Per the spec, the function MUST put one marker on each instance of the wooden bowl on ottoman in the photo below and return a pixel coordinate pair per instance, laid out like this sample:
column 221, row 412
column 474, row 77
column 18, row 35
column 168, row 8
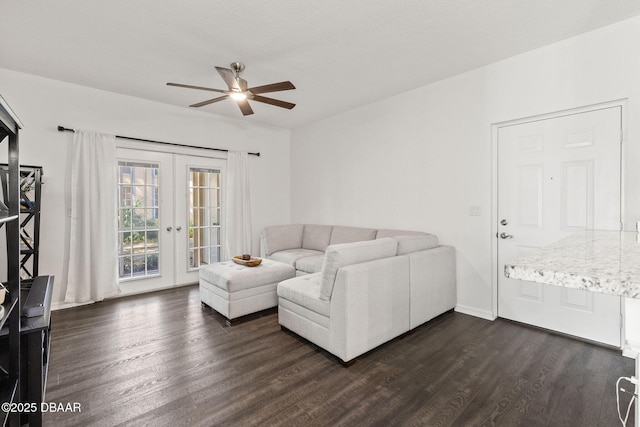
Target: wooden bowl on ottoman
column 251, row 262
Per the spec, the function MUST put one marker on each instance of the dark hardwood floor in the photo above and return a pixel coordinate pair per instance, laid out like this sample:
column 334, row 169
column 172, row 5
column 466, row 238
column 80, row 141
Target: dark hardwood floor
column 160, row 359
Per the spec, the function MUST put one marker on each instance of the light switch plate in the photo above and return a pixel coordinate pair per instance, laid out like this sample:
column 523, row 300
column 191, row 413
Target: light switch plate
column 474, row 210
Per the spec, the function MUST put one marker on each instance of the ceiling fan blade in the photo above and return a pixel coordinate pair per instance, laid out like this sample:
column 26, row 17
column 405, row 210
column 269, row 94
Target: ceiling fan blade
column 229, row 77
column 245, row 107
column 209, row 101
column 242, row 83
column 273, row 87
column 196, row 87
column 272, row 101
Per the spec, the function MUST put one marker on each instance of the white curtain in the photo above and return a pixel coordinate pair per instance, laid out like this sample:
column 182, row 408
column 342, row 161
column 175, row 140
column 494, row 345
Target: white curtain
column 93, row 251
column 237, row 205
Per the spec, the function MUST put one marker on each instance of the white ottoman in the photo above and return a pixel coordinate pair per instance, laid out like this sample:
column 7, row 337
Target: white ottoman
column 235, row 290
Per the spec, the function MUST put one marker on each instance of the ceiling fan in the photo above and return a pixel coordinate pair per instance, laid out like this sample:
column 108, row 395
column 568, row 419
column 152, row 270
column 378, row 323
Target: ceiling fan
column 239, row 92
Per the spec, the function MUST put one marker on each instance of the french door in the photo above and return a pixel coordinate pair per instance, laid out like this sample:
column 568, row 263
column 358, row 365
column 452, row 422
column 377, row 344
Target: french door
column 169, row 218
column 198, row 215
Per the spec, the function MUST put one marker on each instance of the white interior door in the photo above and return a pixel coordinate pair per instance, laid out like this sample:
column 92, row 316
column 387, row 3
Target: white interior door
column 558, row 176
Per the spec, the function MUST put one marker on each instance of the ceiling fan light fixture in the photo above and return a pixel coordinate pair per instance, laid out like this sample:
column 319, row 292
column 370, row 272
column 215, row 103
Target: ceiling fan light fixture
column 238, row 96
column 238, row 90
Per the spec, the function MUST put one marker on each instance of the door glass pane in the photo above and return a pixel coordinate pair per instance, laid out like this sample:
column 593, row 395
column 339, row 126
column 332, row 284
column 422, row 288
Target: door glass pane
column 152, row 264
column 215, row 216
column 152, row 241
column 152, row 218
column 204, row 202
column 138, row 220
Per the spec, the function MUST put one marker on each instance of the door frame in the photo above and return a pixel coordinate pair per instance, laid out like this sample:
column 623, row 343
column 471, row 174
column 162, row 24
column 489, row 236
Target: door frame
column 495, row 268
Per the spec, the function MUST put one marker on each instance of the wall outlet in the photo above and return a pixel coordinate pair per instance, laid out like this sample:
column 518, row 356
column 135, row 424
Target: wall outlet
column 474, row 210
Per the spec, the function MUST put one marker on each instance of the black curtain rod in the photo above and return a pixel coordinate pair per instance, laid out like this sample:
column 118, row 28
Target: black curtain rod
column 64, row 129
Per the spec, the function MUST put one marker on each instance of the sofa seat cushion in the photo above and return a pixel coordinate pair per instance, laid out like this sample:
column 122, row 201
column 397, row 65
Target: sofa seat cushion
column 338, row 256
column 305, row 291
column 310, row 264
column 232, row 277
column 342, row 234
column 291, row 256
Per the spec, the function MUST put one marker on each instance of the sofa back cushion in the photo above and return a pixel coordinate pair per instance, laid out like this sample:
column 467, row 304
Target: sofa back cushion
column 414, row 243
column 342, row 234
column 316, row 237
column 280, row 237
column 382, row 233
column 337, row 256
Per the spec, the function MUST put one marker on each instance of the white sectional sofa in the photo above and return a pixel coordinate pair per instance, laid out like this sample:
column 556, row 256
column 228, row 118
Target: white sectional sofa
column 303, row 245
column 349, row 298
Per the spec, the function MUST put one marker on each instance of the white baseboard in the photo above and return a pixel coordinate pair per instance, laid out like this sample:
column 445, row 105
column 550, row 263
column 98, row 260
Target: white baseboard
column 129, row 291
column 473, row 311
column 63, row 305
column 630, row 350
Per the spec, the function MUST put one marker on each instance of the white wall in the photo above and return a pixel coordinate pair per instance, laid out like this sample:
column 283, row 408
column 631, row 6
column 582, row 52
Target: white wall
column 43, row 104
column 420, row 159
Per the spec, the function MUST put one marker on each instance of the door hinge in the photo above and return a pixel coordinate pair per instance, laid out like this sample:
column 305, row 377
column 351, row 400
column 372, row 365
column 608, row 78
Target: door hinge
column 621, row 321
column 621, row 135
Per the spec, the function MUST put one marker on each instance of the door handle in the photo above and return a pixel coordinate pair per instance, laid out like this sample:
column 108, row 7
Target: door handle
column 504, row 235
column 169, row 228
column 178, row 228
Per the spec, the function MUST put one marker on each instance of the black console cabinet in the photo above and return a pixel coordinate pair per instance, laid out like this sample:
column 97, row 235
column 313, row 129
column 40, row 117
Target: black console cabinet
column 35, row 338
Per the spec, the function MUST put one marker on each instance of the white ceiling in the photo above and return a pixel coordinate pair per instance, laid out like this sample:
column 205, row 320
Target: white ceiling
column 340, row 54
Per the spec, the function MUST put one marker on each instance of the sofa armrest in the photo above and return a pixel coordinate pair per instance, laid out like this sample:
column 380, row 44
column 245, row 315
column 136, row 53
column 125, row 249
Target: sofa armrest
column 369, row 306
column 432, row 283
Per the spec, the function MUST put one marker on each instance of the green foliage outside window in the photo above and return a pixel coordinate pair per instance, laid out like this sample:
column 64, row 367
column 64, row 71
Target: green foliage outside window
column 132, row 219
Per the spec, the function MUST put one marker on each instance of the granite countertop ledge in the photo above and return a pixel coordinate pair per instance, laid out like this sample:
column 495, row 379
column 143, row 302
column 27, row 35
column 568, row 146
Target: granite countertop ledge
column 597, row 261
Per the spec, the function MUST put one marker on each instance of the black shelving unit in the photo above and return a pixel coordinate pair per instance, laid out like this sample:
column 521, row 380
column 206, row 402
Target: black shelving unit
column 30, row 195
column 9, row 219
